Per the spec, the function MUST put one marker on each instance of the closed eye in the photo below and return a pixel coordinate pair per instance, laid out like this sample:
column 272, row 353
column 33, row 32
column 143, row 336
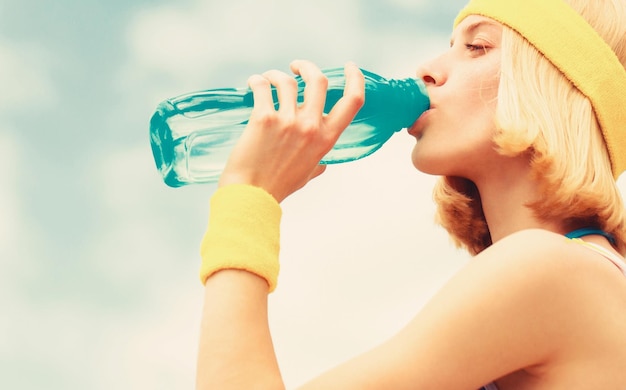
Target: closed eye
column 473, row 48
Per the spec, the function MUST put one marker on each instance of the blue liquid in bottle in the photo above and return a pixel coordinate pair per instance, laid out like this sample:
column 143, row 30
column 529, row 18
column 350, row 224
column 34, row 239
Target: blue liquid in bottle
column 192, row 135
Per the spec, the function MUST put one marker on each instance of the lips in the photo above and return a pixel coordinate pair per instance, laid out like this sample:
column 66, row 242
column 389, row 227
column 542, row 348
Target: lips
column 418, row 126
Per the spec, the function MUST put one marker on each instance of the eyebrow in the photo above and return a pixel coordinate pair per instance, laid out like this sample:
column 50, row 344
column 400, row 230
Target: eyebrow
column 474, row 26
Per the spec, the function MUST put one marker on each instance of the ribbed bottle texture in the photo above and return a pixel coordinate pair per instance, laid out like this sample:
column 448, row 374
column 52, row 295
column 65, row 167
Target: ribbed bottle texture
column 192, row 135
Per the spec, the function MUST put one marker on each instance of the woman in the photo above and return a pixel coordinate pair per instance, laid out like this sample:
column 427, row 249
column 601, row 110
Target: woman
column 528, row 131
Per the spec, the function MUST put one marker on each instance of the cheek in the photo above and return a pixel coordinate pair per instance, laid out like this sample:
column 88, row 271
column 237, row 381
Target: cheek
column 472, row 92
column 482, row 83
column 484, row 93
column 480, row 104
column 473, row 113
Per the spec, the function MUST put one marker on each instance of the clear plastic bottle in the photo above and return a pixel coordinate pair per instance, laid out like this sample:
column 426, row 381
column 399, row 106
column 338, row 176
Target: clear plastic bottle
column 192, row 135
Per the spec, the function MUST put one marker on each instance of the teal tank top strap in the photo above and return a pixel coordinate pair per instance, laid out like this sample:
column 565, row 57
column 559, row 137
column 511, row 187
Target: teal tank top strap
column 587, row 231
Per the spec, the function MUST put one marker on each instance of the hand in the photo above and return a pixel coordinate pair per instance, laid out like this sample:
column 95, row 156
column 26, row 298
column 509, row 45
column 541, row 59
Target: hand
column 280, row 150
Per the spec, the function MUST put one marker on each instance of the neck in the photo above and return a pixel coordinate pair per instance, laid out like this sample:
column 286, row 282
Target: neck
column 504, row 195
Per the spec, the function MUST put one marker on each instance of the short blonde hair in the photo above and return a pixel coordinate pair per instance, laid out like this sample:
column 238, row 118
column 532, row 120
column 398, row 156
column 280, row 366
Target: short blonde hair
column 541, row 113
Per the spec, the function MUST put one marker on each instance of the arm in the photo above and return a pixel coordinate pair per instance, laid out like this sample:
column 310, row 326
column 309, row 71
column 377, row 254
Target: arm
column 508, row 309
column 236, row 350
column 278, row 153
column 239, row 267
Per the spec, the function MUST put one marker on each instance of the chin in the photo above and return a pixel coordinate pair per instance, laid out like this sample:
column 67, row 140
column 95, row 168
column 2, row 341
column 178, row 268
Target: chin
column 433, row 163
column 422, row 162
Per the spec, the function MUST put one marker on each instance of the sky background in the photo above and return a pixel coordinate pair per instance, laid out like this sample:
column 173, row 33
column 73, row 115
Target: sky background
column 99, row 258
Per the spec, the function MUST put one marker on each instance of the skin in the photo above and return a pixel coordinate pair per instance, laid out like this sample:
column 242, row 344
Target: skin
column 463, row 87
column 534, row 310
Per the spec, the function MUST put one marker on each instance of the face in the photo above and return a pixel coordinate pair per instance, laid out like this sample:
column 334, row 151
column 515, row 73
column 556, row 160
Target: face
column 454, row 137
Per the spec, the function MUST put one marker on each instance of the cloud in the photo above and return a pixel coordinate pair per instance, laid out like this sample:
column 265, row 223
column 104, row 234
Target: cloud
column 20, row 263
column 25, row 79
column 153, row 347
column 146, row 235
column 409, row 4
column 19, row 230
column 173, row 49
column 133, row 323
column 10, row 222
column 148, row 254
column 202, row 41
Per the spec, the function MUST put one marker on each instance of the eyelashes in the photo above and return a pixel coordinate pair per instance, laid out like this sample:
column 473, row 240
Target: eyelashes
column 476, row 48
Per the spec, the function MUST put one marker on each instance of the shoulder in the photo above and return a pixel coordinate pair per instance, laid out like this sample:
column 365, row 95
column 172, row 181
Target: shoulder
column 515, row 294
column 528, row 244
column 510, row 308
column 543, row 261
column 524, row 256
column 554, row 284
column 541, row 280
column 544, row 255
column 513, row 301
column 569, row 299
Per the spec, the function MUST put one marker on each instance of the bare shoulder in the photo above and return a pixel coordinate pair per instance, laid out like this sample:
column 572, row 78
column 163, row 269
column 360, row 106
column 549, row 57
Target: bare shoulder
column 545, row 288
column 574, row 295
column 549, row 256
column 561, row 299
column 554, row 266
column 533, row 301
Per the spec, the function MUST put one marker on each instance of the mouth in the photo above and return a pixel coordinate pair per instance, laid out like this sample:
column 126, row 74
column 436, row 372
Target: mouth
column 417, row 127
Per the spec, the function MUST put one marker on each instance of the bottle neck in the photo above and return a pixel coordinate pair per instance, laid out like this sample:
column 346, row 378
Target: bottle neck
column 411, row 98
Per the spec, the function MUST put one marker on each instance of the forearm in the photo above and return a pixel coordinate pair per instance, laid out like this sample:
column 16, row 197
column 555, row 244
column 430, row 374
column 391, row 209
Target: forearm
column 239, row 268
column 277, row 154
column 236, row 350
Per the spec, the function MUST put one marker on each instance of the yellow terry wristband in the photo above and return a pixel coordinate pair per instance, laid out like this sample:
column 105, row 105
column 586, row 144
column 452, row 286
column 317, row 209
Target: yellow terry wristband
column 243, row 233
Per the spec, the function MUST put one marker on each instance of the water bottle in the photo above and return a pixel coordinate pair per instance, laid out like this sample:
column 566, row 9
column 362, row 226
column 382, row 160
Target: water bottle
column 192, row 135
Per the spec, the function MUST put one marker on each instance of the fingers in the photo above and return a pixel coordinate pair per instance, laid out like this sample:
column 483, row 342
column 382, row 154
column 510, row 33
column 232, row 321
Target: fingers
column 280, row 149
column 262, row 93
column 287, row 90
column 353, row 99
column 316, row 86
column 315, row 92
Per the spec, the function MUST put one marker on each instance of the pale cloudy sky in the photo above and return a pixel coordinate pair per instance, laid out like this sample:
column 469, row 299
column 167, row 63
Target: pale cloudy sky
column 99, row 259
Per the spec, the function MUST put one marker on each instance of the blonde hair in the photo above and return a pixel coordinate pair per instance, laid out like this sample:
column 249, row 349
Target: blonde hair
column 540, row 112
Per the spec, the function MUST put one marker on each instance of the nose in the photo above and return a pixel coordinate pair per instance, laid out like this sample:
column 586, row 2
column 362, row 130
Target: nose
column 432, row 73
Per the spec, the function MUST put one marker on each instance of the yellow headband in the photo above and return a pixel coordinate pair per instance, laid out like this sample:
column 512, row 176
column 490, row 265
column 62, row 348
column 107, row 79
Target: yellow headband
column 578, row 51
